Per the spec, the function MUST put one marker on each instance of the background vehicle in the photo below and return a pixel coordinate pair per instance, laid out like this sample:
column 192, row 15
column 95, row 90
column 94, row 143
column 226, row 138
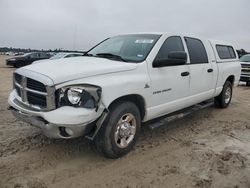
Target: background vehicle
column 10, row 53
column 26, row 59
column 66, row 55
column 19, row 53
column 61, row 55
column 121, row 83
column 245, row 70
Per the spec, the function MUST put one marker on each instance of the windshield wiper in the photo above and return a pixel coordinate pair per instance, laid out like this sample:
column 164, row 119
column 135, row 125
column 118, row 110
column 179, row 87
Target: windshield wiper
column 109, row 55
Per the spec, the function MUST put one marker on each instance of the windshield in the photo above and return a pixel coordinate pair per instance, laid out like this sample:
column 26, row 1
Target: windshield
column 131, row 48
column 58, row 56
column 245, row 58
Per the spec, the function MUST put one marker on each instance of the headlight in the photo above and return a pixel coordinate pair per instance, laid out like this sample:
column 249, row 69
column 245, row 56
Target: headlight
column 86, row 96
column 74, row 95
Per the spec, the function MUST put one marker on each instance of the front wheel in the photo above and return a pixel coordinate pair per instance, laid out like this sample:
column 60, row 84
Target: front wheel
column 119, row 131
column 224, row 99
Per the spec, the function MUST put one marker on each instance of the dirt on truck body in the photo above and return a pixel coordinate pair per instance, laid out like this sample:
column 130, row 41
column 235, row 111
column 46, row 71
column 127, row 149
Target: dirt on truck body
column 210, row 148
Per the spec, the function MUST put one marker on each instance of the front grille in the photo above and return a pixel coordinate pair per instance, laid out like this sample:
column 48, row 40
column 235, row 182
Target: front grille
column 18, row 78
column 34, row 93
column 35, row 85
column 245, row 70
column 245, row 65
column 18, row 90
column 36, row 99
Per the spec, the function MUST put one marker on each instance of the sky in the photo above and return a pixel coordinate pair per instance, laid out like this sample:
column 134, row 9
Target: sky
column 80, row 24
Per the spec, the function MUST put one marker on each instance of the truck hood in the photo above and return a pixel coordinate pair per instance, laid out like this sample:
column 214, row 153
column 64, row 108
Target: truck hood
column 63, row 70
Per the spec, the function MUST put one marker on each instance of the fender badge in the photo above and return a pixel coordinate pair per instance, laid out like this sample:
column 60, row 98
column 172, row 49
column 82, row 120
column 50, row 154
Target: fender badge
column 146, row 86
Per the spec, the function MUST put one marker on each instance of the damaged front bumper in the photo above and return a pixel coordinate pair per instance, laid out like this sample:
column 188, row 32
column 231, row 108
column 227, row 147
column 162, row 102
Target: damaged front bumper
column 65, row 122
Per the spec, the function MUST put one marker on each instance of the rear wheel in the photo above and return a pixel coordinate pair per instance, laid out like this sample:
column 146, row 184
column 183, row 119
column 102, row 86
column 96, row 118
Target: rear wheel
column 119, row 131
column 224, row 99
column 16, row 66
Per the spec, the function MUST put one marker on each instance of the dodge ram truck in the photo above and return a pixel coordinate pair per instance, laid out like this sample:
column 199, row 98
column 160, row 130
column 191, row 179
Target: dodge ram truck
column 122, row 83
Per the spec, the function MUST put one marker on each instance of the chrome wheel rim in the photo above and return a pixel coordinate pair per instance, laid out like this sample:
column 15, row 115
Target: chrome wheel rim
column 125, row 130
column 228, row 94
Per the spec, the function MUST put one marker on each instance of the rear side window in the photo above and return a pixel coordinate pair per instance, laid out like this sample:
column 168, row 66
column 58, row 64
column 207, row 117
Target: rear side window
column 225, row 52
column 34, row 55
column 171, row 44
column 43, row 55
column 196, row 50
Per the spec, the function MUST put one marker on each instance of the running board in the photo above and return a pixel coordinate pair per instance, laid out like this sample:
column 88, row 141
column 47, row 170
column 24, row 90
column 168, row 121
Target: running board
column 180, row 114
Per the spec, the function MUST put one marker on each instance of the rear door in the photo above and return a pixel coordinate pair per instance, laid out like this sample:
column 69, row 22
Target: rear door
column 203, row 70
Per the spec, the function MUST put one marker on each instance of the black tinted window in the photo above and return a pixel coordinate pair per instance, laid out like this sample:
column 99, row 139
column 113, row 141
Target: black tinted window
column 225, row 52
column 197, row 51
column 171, row 44
column 34, row 55
column 231, row 51
column 43, row 55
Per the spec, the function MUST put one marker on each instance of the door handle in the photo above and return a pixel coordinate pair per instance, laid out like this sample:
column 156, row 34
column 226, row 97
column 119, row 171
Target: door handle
column 210, row 70
column 185, row 73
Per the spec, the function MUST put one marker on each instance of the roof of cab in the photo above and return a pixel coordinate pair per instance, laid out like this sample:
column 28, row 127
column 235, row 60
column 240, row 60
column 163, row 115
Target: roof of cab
column 165, row 33
column 213, row 42
column 217, row 42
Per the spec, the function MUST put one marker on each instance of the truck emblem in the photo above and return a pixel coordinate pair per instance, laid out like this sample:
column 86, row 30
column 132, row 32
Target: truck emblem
column 146, row 86
column 162, row 91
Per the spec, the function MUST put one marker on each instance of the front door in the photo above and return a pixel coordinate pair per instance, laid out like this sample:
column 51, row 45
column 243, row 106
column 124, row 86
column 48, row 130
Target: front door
column 169, row 84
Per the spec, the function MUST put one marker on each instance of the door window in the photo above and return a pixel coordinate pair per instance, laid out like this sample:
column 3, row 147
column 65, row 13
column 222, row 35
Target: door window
column 171, row 44
column 34, row 55
column 196, row 50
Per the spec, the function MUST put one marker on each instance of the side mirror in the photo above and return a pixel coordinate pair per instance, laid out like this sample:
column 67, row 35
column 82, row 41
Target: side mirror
column 174, row 59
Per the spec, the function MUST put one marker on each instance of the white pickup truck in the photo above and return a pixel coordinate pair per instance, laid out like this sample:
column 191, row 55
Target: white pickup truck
column 122, row 82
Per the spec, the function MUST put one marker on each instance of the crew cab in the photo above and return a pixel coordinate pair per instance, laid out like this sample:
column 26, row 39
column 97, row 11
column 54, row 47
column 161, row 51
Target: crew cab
column 26, row 59
column 245, row 71
column 122, row 83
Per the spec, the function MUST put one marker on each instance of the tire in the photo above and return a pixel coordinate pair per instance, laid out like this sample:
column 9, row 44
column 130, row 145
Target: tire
column 224, row 99
column 18, row 65
column 15, row 66
column 247, row 83
column 116, row 140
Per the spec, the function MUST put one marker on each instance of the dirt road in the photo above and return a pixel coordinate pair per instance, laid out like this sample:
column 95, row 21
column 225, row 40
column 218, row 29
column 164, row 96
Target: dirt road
column 210, row 148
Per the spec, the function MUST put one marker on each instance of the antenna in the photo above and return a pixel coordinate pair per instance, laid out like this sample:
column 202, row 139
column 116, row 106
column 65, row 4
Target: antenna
column 74, row 38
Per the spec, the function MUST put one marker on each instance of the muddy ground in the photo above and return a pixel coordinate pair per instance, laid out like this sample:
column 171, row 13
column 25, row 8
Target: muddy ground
column 210, row 148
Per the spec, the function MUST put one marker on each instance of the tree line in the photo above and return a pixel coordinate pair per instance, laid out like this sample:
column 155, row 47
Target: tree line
column 240, row 52
column 27, row 50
